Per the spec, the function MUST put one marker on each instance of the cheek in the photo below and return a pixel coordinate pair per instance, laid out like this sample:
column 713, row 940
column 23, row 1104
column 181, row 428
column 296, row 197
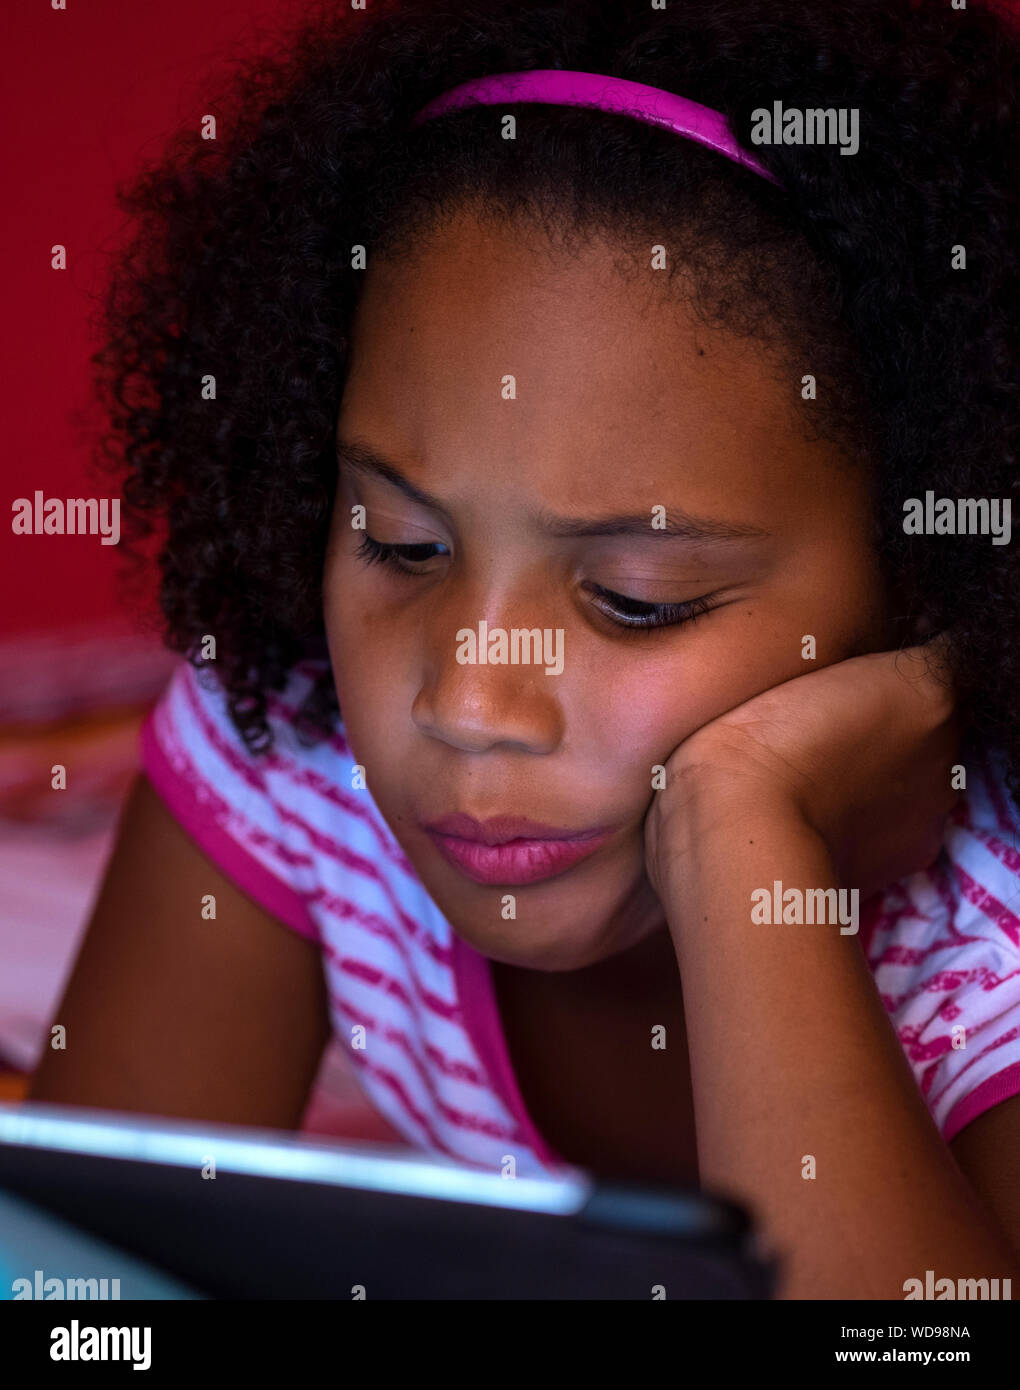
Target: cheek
column 650, row 706
column 365, row 656
column 647, row 707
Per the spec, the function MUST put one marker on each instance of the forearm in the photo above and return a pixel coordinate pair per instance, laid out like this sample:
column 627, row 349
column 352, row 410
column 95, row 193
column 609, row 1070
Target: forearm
column 793, row 1059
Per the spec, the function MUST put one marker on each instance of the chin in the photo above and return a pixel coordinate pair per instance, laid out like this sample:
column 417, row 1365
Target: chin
column 534, row 948
column 548, row 945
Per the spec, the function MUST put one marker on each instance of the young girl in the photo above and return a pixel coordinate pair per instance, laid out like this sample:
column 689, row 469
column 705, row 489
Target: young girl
column 587, row 512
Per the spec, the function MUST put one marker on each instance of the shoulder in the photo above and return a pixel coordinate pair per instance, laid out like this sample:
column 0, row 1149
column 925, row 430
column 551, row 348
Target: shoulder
column 945, row 953
column 319, row 788
column 192, row 729
column 286, row 824
column 971, row 893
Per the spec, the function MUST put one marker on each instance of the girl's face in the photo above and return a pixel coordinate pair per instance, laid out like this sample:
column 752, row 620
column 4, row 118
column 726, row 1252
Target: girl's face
column 554, row 444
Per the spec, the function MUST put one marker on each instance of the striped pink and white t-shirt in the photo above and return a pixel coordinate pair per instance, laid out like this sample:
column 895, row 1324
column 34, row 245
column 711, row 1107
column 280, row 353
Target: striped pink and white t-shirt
column 291, row 831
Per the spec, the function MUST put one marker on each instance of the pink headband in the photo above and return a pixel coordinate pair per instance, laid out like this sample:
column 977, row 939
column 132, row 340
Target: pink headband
column 564, row 88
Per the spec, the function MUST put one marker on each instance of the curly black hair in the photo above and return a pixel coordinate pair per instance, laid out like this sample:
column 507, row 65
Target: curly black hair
column 244, row 268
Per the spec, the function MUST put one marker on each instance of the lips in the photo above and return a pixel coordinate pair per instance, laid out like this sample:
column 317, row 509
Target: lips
column 511, row 850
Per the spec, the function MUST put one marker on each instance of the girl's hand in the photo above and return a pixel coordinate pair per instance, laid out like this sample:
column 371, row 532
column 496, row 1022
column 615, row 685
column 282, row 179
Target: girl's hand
column 860, row 753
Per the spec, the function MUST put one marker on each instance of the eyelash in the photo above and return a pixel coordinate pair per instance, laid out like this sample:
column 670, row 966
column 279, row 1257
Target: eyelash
column 656, row 615
column 376, row 552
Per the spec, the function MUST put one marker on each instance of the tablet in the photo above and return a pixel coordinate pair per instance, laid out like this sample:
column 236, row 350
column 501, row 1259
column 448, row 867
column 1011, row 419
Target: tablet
column 236, row 1212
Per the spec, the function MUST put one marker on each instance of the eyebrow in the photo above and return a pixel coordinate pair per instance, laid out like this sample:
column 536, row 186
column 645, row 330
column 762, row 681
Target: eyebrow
column 677, row 524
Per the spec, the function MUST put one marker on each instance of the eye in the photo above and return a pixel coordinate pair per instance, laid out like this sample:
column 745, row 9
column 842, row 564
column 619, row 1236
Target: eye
column 399, row 557
column 634, row 613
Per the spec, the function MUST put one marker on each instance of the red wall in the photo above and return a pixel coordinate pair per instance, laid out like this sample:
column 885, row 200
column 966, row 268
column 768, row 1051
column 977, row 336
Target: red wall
column 88, row 95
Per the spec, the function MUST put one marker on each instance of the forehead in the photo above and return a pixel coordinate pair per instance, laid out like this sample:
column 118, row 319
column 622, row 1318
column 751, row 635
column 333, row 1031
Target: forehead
column 569, row 376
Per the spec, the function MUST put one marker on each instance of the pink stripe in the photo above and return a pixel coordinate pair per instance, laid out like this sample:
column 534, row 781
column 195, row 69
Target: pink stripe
column 289, row 715
column 375, row 978
column 389, row 984
column 996, row 1089
column 989, row 904
column 325, row 844
column 213, row 736
column 221, row 811
column 1010, row 1035
column 925, row 1080
column 346, row 910
column 475, row 1124
column 349, row 859
column 951, row 943
column 931, row 1050
column 894, row 956
column 454, row 1069
column 478, row 1124
column 911, row 955
column 395, row 1036
column 198, row 819
column 1007, row 856
column 396, row 1087
column 403, row 1043
column 460, row 1119
column 346, row 801
column 943, row 981
column 482, row 1022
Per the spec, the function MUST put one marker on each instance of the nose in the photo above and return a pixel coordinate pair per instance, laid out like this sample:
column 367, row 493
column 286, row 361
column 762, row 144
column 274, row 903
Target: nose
column 478, row 706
